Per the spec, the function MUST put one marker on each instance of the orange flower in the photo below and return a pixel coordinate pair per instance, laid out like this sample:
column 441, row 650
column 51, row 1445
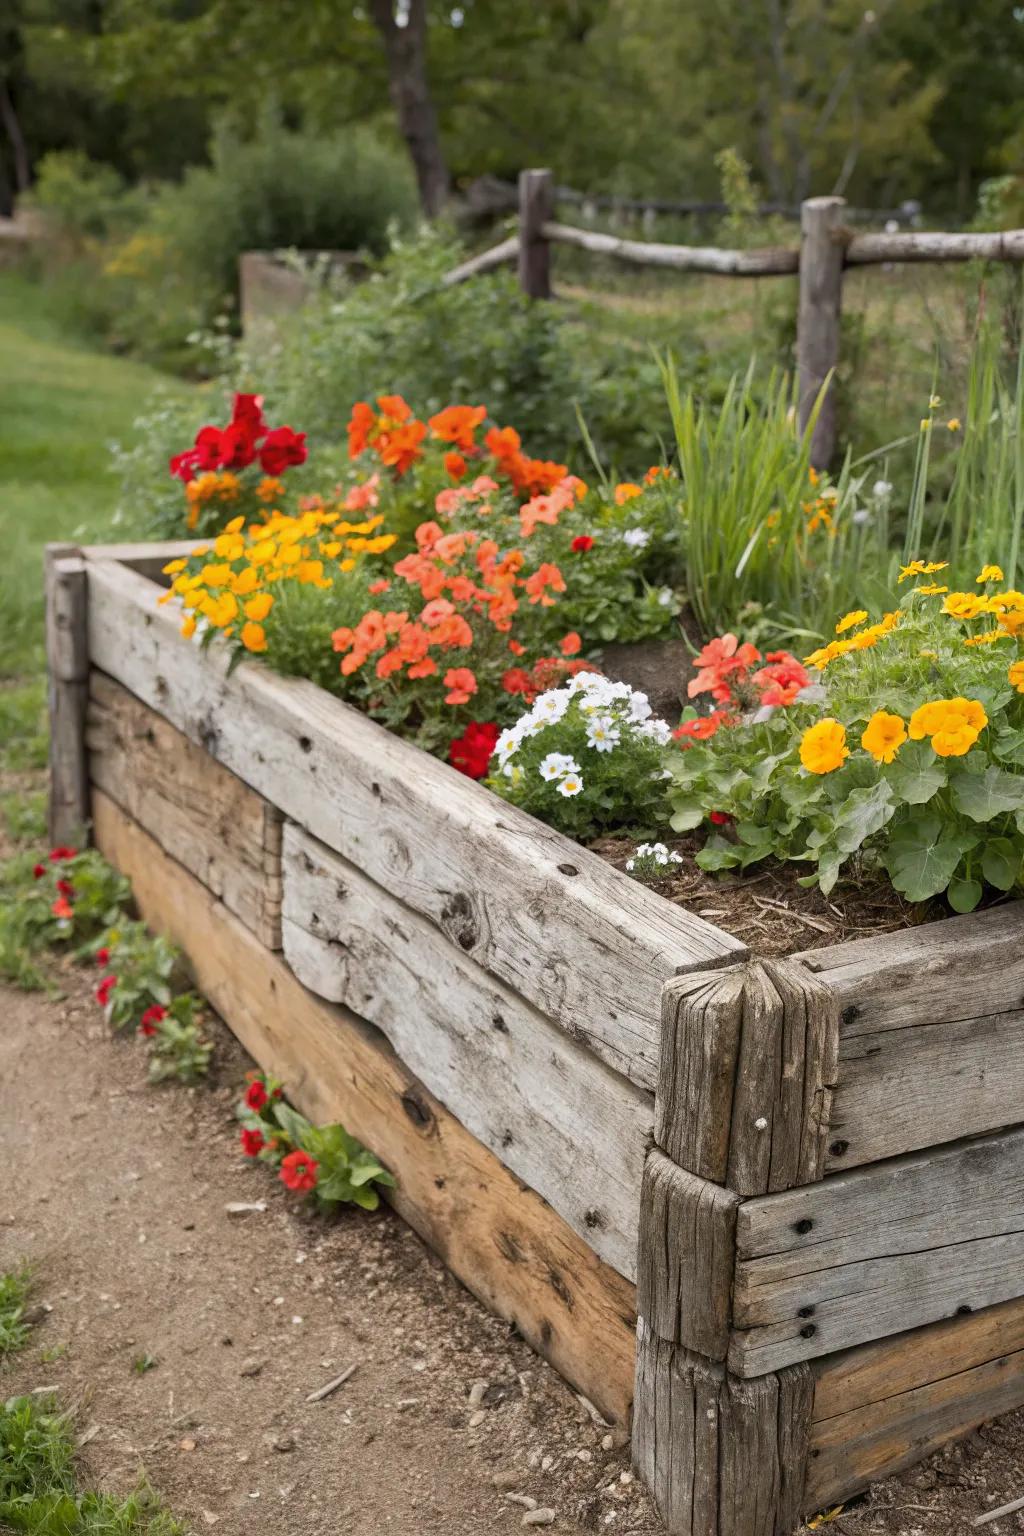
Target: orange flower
column 457, row 424
column 571, row 644
column 399, row 449
column 626, row 491
column 425, row 668
column 360, row 425
column 393, row 409
column 461, row 683
column 545, row 576
column 455, row 466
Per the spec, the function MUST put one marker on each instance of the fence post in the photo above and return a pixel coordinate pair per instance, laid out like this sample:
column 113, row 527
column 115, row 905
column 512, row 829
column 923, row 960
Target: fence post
column 536, row 206
column 817, row 328
column 67, row 663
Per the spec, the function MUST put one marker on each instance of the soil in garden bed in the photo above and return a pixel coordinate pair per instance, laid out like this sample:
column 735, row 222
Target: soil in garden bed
column 767, row 907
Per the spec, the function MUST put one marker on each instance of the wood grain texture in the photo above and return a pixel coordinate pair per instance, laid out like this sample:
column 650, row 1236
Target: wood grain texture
column 573, row 1129
column 885, row 1405
column 67, row 667
column 536, row 205
column 224, row 833
column 687, row 1257
column 722, row 1457
column 501, row 1239
column 881, row 1249
column 587, row 945
column 146, row 559
column 818, row 317
column 748, row 1063
column 768, row 262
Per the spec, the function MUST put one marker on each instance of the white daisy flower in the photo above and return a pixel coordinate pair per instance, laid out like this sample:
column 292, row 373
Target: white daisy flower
column 666, row 598
column 603, row 734
column 636, row 538
column 570, row 785
column 556, row 765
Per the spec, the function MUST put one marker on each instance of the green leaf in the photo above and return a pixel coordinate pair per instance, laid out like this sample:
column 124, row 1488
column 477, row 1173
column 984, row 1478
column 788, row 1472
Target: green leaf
column 917, row 774
column 718, row 854
column 688, row 813
column 923, row 855
column 1001, row 863
column 984, row 795
column 864, row 812
column 963, row 895
column 367, row 1197
column 295, row 1126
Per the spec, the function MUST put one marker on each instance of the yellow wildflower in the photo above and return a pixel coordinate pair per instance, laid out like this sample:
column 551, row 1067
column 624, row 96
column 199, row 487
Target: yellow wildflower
column 174, row 566
column 245, row 582
column 932, row 590
column 188, row 625
column 851, row 620
column 1016, row 676
column 953, row 424
column 259, row 606
column 984, row 639
column 253, row 637
column 823, row 747
column 964, row 605
column 883, row 736
column 989, row 573
column 1013, row 623
column 934, row 402
column 953, row 725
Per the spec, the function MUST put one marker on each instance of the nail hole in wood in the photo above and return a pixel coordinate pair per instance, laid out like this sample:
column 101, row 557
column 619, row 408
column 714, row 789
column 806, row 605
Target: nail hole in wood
column 803, row 1225
column 418, row 1112
column 568, row 869
column 964, row 1310
column 849, row 1014
column 808, row 1331
column 839, row 1147
column 305, row 745
column 805, row 1312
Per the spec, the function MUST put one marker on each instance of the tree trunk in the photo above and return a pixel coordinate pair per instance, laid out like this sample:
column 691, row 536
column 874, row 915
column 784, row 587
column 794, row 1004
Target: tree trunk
column 16, row 139
column 406, row 50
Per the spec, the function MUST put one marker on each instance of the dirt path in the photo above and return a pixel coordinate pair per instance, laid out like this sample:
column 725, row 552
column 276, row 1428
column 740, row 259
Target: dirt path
column 117, row 1195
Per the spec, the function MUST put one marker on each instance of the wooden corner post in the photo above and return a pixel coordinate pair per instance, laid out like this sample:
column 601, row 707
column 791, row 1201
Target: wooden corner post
column 822, row 252
column 536, row 208
column 748, row 1064
column 67, row 663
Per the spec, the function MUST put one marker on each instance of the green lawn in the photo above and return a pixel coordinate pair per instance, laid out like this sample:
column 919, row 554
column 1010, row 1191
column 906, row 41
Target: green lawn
column 61, row 405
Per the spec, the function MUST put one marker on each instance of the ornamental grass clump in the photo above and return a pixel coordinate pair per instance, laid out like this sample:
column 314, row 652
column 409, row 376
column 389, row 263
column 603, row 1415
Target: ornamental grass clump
column 586, row 758
column 910, row 756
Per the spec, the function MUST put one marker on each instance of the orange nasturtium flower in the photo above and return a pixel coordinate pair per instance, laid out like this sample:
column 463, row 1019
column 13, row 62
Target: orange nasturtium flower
column 823, row 747
column 883, row 736
column 1016, row 676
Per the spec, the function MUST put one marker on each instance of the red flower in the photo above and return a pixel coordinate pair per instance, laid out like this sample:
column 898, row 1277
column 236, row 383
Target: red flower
column 151, row 1018
column 253, row 1143
column 701, row 729
column 455, row 465
column 256, row 1095
column 207, row 453
column 471, row 752
column 581, row 543
column 461, row 682
column 237, row 446
column 248, row 409
column 104, row 990
column 298, row 1171
column 183, row 465
column 65, row 888
column 62, row 908
column 720, row 818
column 782, row 680
column 721, row 659
column 281, row 449
column 571, row 644
column 102, row 956
column 39, row 870
column 61, row 853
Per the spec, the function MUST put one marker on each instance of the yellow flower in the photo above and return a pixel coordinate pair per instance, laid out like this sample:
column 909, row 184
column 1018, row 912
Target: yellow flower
column 188, row 625
column 954, row 725
column 827, row 653
column 883, row 736
column 934, row 402
column 253, row 637
column 984, row 639
column 964, row 605
column 922, row 568
column 954, row 740
column 1013, row 623
column 259, row 606
column 221, row 610
column 174, row 566
column 989, row 573
column 851, row 620
column 217, row 575
column 953, row 424
column 245, row 582
column 1016, row 676
column 823, row 747
column 932, row 590
column 926, row 423
column 1007, row 602
column 235, row 526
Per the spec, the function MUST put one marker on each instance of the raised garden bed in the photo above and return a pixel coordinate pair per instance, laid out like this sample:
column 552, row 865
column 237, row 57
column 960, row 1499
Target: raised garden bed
column 826, row 1238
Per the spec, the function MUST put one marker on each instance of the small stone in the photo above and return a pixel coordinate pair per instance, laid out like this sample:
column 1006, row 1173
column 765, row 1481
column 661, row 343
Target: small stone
column 522, row 1499
column 547, row 1462
column 251, row 1367
column 539, row 1517
column 607, row 1442
column 507, row 1477
column 583, row 1455
column 285, row 1442
column 476, row 1393
column 187, row 1445
column 476, row 1419
column 625, row 1477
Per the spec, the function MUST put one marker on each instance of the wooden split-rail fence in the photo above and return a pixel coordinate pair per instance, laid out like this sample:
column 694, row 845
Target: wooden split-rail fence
column 827, row 248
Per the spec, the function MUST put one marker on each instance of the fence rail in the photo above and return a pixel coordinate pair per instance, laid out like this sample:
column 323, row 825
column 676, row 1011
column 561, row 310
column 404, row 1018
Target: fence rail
column 827, row 247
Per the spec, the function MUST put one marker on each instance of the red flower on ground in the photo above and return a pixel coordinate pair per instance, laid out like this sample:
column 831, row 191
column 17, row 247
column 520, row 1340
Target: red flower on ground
column 151, row 1018
column 281, row 449
column 57, row 855
column 104, row 990
column 471, row 752
column 299, row 1171
column 102, row 956
column 62, row 908
column 720, row 818
column 39, row 870
column 581, row 543
column 65, row 888
column 253, row 1143
column 256, row 1095
column 248, row 409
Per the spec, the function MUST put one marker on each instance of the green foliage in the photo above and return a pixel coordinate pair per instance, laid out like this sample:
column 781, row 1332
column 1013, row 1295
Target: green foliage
column 143, row 965
column 24, row 816
column 920, row 771
column 586, row 758
column 344, row 1171
column 14, row 1289
column 83, row 200
column 37, row 912
column 143, row 1364
column 39, row 1492
column 178, row 1049
column 23, row 727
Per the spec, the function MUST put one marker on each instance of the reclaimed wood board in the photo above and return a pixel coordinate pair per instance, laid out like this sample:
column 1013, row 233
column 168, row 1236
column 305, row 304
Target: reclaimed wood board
column 499, row 1237
column 573, row 1129
column 199, row 812
column 883, row 1406
column 67, row 669
column 881, row 1249
column 581, row 941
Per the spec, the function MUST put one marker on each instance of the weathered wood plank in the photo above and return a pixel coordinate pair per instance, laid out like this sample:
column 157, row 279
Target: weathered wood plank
column 199, row 812
column 501, row 1239
column 883, row 1406
column 573, row 1129
column 878, row 1250
column 536, row 205
column 818, row 319
column 687, row 1256
column 748, row 1063
column 902, row 1089
column 581, row 941
column 67, row 665
column 960, row 968
column 147, row 559
column 722, row 1457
